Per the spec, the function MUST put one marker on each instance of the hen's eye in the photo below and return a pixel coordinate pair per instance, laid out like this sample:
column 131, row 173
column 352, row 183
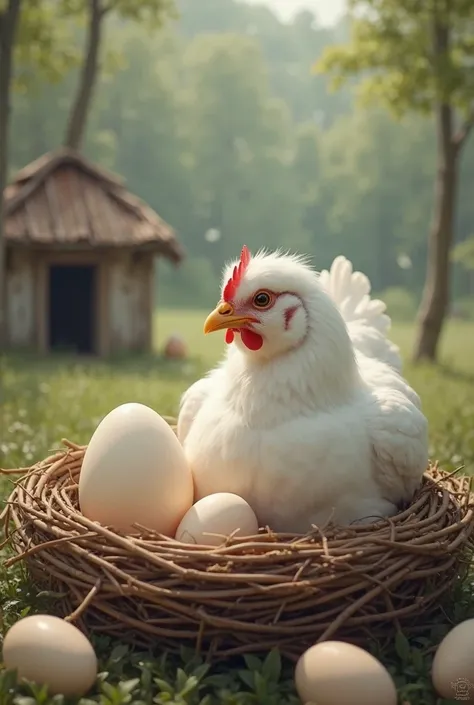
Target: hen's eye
column 262, row 299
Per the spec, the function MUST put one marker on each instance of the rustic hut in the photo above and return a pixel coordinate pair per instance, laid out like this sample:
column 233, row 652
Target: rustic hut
column 79, row 259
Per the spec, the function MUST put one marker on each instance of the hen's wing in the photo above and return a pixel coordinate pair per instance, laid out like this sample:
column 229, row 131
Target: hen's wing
column 399, row 443
column 190, row 403
column 365, row 318
column 398, row 430
column 192, row 400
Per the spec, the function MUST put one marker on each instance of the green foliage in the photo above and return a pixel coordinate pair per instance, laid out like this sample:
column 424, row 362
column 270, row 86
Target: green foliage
column 48, row 31
column 44, row 45
column 401, row 304
column 392, row 44
column 132, row 677
column 194, row 284
column 463, row 254
column 463, row 308
column 241, row 156
column 149, row 12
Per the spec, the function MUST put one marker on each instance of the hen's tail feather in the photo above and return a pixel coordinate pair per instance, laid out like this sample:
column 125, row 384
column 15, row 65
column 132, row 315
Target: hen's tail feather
column 351, row 292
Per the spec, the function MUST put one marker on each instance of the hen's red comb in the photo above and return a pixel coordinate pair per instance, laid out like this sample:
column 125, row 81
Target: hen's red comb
column 237, row 274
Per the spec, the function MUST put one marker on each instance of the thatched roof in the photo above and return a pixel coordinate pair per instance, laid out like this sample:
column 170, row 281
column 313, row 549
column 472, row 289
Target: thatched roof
column 63, row 200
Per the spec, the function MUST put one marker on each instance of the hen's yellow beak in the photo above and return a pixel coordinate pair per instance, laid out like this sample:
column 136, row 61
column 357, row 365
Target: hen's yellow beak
column 223, row 316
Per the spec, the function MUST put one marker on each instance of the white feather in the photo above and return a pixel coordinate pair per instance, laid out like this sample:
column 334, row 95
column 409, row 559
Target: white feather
column 324, row 428
column 366, row 320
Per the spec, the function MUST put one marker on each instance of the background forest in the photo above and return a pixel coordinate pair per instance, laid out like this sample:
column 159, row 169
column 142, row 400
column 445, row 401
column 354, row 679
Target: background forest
column 307, row 170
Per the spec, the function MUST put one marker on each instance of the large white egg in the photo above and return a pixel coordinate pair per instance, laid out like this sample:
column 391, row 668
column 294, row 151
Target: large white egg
column 453, row 665
column 134, row 471
column 337, row 673
column 215, row 517
column 49, row 651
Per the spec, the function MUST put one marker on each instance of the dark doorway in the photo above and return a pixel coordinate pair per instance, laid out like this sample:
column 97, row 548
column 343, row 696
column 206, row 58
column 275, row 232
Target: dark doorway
column 71, row 308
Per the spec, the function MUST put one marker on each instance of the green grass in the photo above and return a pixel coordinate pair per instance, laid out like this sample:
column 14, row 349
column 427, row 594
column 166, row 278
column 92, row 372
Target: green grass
column 44, row 400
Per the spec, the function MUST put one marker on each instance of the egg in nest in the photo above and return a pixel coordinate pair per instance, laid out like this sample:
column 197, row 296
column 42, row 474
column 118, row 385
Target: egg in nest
column 134, row 472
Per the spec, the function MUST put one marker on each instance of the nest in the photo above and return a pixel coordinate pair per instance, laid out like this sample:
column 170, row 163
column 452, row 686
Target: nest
column 272, row 589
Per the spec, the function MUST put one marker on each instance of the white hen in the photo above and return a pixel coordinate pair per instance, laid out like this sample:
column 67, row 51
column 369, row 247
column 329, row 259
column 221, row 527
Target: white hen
column 308, row 417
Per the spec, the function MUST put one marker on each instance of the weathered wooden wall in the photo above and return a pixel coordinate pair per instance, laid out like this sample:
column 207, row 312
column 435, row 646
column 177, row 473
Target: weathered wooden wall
column 20, row 292
column 124, row 299
column 129, row 282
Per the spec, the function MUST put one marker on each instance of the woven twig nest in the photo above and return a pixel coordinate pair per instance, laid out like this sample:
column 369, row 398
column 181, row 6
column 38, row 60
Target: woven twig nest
column 246, row 596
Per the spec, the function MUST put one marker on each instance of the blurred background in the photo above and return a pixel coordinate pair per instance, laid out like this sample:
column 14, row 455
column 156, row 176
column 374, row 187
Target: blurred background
column 217, row 121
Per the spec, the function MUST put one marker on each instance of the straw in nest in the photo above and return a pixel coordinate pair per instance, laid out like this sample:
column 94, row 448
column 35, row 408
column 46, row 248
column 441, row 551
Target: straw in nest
column 290, row 591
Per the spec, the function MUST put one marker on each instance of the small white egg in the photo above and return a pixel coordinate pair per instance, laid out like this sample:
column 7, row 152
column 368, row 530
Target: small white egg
column 220, row 514
column 49, row 651
column 134, row 471
column 337, row 673
column 453, row 665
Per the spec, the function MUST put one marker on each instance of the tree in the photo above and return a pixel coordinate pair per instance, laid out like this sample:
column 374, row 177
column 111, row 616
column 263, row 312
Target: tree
column 240, row 138
column 417, row 55
column 138, row 110
column 463, row 254
column 150, row 11
column 374, row 192
column 32, row 43
column 9, row 19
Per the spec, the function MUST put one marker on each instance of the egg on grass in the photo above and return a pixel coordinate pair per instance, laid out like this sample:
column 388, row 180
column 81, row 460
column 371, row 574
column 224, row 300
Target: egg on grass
column 175, row 348
column 214, row 518
column 453, row 665
column 338, row 673
column 46, row 650
column 134, row 472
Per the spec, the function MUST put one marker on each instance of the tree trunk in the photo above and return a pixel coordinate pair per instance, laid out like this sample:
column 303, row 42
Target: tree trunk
column 87, row 80
column 8, row 26
column 435, row 298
